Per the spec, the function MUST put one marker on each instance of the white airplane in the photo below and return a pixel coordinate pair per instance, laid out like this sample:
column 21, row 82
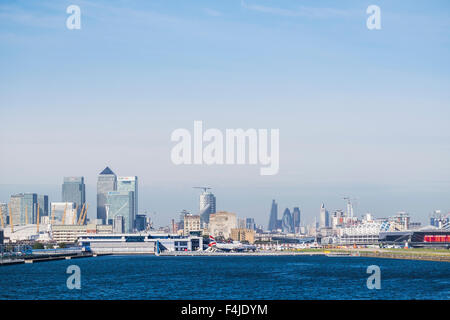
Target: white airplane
column 232, row 246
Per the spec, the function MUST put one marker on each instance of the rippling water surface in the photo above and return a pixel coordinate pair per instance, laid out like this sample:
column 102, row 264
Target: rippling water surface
column 270, row 277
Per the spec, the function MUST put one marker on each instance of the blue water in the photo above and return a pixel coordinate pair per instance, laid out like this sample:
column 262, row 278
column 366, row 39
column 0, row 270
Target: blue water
column 270, row 277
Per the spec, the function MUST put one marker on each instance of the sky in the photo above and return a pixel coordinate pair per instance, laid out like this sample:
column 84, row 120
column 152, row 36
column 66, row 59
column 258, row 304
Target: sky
column 361, row 113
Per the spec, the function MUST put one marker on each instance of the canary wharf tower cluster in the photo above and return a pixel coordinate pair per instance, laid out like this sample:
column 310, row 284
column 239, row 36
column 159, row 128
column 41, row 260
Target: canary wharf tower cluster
column 117, row 200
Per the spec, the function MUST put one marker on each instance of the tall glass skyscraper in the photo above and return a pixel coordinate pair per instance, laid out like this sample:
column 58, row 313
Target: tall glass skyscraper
column 296, row 219
column 74, row 190
column 273, row 219
column 23, row 208
column 287, row 222
column 107, row 182
column 129, row 184
column 324, row 217
column 207, row 206
column 121, row 203
column 43, row 205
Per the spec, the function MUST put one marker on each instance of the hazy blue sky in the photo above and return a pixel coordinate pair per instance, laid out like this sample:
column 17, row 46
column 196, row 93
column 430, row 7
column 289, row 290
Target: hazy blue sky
column 360, row 112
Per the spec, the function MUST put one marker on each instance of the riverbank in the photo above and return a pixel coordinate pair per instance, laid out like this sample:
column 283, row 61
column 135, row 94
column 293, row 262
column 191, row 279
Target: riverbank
column 406, row 254
column 46, row 258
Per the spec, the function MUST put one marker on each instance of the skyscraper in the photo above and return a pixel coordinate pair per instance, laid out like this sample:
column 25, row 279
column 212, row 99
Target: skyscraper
column 250, row 224
column 207, row 206
column 74, row 190
column 107, row 182
column 129, row 184
column 287, row 223
column 296, row 219
column 324, row 217
column 120, row 203
column 273, row 219
column 43, row 205
column 23, row 208
column 4, row 213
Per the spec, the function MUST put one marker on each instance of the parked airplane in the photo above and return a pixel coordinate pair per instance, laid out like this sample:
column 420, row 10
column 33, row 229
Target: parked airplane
column 232, row 246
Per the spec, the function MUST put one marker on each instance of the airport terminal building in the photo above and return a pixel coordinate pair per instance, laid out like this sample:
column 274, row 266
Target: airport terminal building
column 130, row 243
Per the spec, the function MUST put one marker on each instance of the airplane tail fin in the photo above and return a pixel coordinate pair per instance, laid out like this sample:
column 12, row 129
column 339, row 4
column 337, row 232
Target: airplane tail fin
column 212, row 241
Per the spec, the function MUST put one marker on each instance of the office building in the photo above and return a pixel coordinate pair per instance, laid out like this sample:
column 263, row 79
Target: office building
column 207, row 206
column 287, row 222
column 324, row 217
column 118, row 224
column 191, row 224
column 129, row 184
column 43, row 205
column 296, row 219
column 71, row 233
column 250, row 224
column 140, row 222
column 273, row 219
column 243, row 235
column 74, row 190
column 121, row 203
column 107, row 182
column 4, row 213
column 221, row 223
column 23, row 208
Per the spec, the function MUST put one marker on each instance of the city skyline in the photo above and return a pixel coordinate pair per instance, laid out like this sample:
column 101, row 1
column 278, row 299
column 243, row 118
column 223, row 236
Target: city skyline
column 362, row 113
column 261, row 219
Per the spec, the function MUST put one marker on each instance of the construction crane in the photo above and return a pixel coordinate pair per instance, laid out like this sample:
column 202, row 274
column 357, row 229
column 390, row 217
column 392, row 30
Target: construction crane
column 53, row 215
column 204, row 188
column 85, row 214
column 1, row 218
column 64, row 214
column 38, row 218
column 81, row 213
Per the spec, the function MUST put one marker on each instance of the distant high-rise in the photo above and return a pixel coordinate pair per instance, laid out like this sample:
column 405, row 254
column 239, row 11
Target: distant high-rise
column 4, row 213
column 129, row 184
column 207, row 206
column 273, row 219
column 43, row 205
column 120, row 203
column 74, row 190
column 250, row 224
column 107, row 182
column 140, row 222
column 324, row 217
column 118, row 224
column 296, row 219
column 287, row 223
column 23, row 208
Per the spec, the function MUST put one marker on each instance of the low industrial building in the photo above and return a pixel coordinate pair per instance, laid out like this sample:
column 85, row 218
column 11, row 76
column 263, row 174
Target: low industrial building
column 70, row 233
column 150, row 243
column 432, row 238
column 243, row 235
